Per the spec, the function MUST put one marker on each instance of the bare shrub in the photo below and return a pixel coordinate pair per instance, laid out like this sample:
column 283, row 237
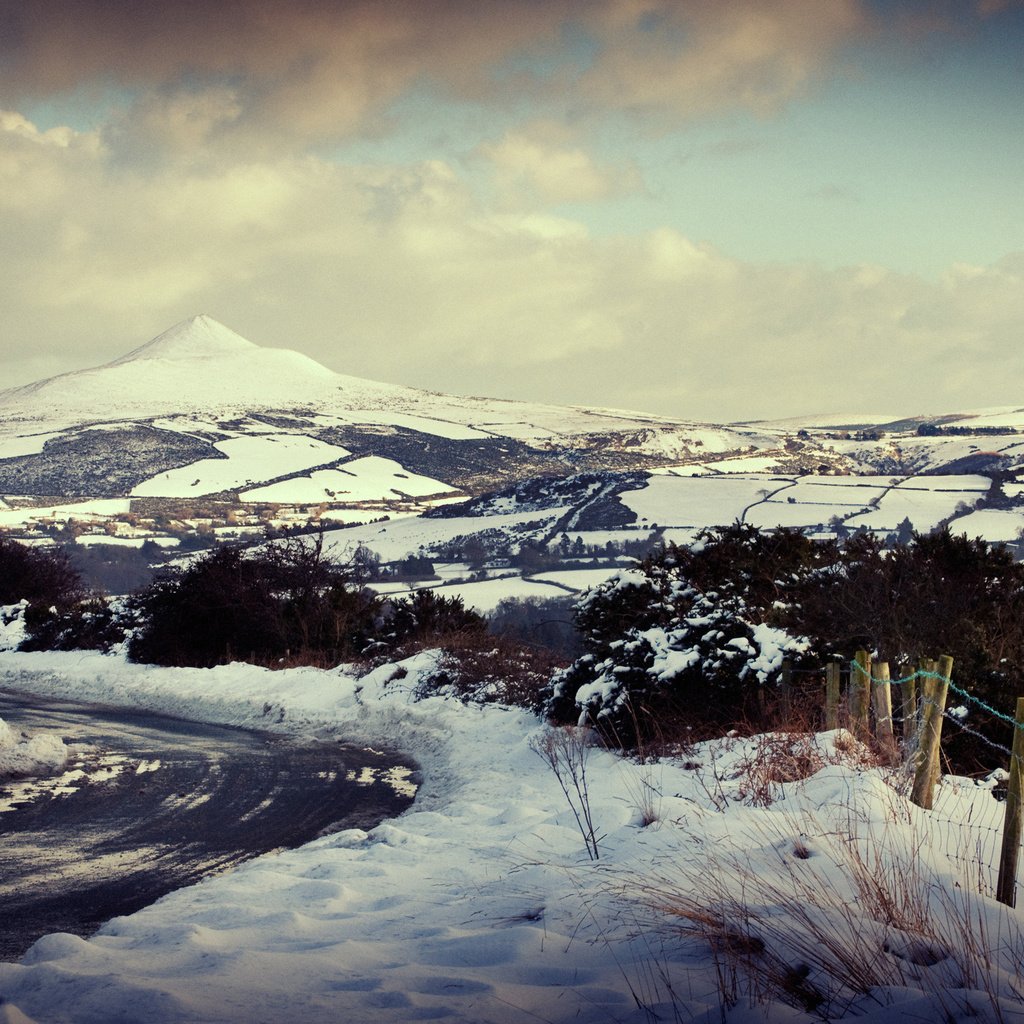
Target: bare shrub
column 777, row 758
column 565, row 749
column 478, row 668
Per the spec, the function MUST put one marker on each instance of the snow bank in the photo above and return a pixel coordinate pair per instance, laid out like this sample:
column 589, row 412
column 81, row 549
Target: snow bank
column 22, row 755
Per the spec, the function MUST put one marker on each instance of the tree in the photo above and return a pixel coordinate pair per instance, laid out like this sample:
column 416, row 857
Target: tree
column 62, row 613
column 939, row 593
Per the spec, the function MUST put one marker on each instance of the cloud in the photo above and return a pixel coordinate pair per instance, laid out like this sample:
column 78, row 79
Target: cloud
column 301, row 69
column 194, row 72
column 540, row 163
column 673, row 61
column 401, row 273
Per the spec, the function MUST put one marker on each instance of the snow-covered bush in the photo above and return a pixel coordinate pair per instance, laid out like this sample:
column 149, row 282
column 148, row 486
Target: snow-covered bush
column 12, row 625
column 691, row 634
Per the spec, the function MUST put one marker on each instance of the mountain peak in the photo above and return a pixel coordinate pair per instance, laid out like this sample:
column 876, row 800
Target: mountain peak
column 199, row 337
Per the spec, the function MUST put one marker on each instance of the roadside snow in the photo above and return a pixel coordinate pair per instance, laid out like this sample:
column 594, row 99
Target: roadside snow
column 480, row 905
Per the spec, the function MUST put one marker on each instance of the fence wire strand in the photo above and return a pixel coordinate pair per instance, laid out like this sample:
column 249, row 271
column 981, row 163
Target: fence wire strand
column 947, row 714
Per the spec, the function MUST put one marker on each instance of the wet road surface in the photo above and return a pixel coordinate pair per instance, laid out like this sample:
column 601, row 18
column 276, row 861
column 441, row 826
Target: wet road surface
column 147, row 804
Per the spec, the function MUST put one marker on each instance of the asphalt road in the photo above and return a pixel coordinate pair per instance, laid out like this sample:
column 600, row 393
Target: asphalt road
column 148, row 804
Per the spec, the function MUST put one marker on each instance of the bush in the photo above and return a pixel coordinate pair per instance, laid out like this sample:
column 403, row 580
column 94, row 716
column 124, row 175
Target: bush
column 480, row 669
column 284, row 602
column 700, row 633
column 41, row 576
column 426, row 617
column 696, row 634
column 90, row 624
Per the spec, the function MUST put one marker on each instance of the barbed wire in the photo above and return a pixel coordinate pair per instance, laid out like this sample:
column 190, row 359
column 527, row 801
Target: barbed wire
column 922, row 673
column 974, row 732
column 947, row 713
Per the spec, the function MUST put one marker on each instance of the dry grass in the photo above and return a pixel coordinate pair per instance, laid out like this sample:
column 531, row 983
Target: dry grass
column 846, row 921
column 565, row 750
column 777, row 758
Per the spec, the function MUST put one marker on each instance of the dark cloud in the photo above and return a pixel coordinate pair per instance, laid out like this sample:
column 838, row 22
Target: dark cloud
column 309, row 61
column 314, row 69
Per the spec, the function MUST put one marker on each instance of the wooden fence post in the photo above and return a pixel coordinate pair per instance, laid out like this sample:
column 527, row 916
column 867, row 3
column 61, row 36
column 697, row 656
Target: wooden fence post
column 786, row 693
column 945, row 670
column 1006, row 887
column 860, row 694
column 832, row 695
column 881, row 700
column 909, row 700
column 926, row 768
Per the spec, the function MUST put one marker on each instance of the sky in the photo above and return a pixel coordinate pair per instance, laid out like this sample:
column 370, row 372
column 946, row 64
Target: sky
column 741, row 210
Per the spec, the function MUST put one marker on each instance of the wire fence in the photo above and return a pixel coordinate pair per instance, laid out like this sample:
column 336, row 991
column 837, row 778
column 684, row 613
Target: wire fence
column 952, row 715
column 925, row 706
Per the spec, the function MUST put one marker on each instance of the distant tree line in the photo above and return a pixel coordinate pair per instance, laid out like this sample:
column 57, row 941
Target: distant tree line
column 689, row 635
column 532, row 555
column 938, row 430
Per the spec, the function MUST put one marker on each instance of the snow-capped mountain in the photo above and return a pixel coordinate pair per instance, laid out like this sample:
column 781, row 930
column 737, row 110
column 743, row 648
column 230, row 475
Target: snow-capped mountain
column 199, row 394
column 198, row 365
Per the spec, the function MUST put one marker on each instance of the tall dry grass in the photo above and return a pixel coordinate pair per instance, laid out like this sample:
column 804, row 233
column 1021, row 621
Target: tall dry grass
column 839, row 915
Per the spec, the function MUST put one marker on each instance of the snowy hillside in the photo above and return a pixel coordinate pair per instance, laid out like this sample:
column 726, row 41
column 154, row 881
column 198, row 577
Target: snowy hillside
column 809, row 894
column 200, row 392
column 201, row 366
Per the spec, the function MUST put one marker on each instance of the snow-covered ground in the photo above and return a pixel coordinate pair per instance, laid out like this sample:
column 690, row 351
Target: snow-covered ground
column 401, row 537
column 246, row 459
column 699, row 501
column 480, row 904
column 924, row 501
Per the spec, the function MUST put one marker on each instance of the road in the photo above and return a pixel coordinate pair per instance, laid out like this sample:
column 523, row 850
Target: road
column 147, row 804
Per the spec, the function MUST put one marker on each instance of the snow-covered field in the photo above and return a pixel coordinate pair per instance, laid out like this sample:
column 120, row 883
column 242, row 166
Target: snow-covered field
column 924, row 502
column 398, row 538
column 699, row 501
column 367, row 479
column 996, row 525
column 480, row 905
column 246, row 459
